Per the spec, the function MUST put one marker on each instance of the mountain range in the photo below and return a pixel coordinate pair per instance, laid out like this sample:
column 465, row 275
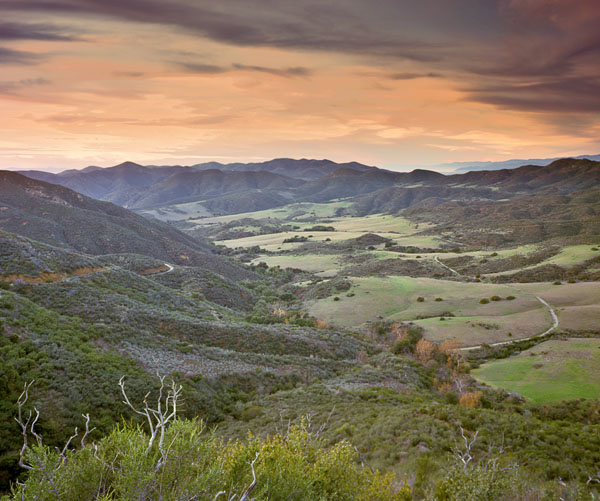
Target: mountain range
column 217, row 189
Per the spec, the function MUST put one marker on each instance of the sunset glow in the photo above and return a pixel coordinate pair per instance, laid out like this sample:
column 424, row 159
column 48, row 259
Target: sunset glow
column 388, row 83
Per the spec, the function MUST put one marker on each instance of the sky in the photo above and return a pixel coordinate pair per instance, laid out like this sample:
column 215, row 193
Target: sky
column 392, row 83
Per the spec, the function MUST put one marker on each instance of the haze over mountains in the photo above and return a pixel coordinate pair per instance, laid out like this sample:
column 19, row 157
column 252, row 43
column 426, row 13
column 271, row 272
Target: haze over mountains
column 218, row 189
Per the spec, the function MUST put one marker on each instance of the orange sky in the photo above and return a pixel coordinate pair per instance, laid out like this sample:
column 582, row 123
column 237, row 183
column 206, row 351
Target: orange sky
column 392, row 85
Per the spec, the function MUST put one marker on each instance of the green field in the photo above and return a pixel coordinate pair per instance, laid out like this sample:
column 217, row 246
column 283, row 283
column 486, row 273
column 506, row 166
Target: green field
column 549, row 372
column 395, row 298
column 177, row 212
column 569, row 255
column 295, row 212
column 321, row 264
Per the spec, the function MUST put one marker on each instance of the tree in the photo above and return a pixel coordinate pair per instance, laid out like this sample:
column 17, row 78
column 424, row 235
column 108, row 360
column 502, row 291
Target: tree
column 424, row 350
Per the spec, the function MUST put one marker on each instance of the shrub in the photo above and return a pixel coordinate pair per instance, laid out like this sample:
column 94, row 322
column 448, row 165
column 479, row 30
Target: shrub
column 496, row 298
column 510, row 298
column 485, row 300
column 336, row 298
column 558, row 282
column 438, row 299
column 420, row 299
column 471, row 399
column 296, row 465
column 451, row 398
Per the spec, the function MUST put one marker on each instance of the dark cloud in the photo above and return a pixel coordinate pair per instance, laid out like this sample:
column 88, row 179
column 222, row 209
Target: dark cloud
column 297, row 71
column 543, row 53
column 21, row 31
column 211, row 69
column 579, row 95
column 207, row 69
column 305, row 26
column 129, row 74
column 14, row 87
column 412, row 76
column 18, row 57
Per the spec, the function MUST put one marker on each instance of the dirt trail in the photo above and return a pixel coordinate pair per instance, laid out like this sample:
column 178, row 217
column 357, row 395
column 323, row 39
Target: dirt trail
column 435, row 258
column 504, row 343
column 537, row 336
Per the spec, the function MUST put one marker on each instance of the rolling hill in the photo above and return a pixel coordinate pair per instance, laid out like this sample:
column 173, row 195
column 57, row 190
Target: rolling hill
column 63, row 218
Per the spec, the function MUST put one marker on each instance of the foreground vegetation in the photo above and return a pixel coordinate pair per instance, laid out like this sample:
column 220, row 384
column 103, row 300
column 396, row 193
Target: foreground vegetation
column 181, row 459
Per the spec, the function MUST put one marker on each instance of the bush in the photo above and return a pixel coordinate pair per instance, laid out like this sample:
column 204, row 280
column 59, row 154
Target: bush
column 420, row 299
column 496, row 298
column 510, row 298
column 478, row 483
column 336, row 298
column 485, row 300
column 558, row 282
column 438, row 299
column 296, row 465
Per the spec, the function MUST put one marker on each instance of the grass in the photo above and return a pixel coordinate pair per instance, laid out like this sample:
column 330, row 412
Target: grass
column 274, row 241
column 177, row 212
column 293, row 212
column 549, row 372
column 569, row 255
column 322, row 264
column 395, row 298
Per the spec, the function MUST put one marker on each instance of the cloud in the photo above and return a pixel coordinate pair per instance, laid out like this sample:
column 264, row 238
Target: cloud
column 212, row 69
column 560, row 95
column 306, row 26
column 129, row 74
column 21, row 31
column 296, row 71
column 412, row 76
column 206, row 69
column 19, row 57
column 399, row 132
column 14, row 86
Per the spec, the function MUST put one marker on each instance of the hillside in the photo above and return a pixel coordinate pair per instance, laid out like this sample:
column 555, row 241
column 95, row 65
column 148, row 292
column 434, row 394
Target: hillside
column 191, row 186
column 176, row 193
column 61, row 217
column 306, row 169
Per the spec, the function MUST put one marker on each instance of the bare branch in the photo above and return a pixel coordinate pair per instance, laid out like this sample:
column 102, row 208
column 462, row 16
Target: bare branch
column 87, row 429
column 63, row 453
column 252, row 486
column 21, row 401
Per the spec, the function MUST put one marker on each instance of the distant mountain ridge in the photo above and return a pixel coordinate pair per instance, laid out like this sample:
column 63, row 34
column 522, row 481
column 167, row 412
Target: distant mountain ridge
column 63, row 218
column 462, row 167
column 237, row 188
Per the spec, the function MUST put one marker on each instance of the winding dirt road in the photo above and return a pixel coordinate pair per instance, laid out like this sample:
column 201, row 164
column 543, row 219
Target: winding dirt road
column 504, row 343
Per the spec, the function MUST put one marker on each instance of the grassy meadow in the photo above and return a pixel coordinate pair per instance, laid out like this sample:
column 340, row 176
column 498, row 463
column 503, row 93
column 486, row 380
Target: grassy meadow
column 549, row 372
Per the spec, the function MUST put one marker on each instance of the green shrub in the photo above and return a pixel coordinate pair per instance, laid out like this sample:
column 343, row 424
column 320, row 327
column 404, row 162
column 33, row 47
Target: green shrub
column 294, row 466
column 420, row 299
column 496, row 298
column 510, row 298
column 477, row 483
column 438, row 299
column 485, row 300
column 558, row 282
column 336, row 298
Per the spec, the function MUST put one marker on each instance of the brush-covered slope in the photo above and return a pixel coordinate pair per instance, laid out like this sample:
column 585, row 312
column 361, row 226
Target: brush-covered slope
column 61, row 217
column 523, row 220
column 297, row 168
column 191, row 186
column 99, row 183
column 562, row 176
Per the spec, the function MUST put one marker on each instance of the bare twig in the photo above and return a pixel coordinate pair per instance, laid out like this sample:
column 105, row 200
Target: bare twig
column 21, row 401
column 252, row 486
column 87, row 429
